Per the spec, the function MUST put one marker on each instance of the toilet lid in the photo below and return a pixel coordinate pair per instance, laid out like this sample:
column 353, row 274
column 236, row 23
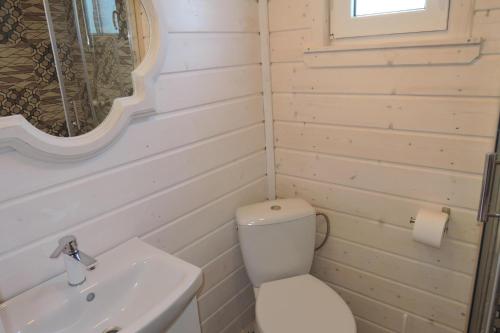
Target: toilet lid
column 302, row 304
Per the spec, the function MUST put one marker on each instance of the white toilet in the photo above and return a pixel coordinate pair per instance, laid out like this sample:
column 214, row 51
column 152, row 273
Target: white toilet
column 277, row 241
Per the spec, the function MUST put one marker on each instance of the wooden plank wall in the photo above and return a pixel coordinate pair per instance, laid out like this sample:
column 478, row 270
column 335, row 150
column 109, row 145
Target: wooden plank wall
column 369, row 146
column 174, row 179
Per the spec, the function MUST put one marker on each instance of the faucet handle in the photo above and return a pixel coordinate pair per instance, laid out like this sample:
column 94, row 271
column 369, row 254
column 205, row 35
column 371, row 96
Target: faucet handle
column 67, row 245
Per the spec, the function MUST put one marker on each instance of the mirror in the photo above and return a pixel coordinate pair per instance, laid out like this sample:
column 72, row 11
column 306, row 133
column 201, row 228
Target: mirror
column 64, row 62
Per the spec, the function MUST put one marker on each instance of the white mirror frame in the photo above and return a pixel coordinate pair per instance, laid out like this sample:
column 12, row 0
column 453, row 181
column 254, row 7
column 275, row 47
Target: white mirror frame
column 18, row 134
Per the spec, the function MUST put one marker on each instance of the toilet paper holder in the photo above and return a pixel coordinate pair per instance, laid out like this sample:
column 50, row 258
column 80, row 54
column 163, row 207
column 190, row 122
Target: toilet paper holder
column 445, row 210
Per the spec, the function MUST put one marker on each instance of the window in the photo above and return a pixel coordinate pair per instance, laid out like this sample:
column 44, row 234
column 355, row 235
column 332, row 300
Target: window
column 370, row 7
column 101, row 17
column 357, row 18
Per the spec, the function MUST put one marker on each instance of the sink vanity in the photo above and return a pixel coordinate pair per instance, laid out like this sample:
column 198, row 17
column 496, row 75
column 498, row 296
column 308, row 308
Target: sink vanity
column 133, row 288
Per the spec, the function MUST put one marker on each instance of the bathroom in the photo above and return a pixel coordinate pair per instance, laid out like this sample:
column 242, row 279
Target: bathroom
column 141, row 128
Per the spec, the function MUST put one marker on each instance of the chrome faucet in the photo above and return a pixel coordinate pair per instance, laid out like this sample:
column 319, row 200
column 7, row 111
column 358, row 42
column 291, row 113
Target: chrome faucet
column 76, row 261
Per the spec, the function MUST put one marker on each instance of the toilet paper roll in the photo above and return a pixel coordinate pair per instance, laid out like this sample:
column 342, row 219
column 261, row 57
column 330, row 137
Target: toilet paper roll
column 429, row 227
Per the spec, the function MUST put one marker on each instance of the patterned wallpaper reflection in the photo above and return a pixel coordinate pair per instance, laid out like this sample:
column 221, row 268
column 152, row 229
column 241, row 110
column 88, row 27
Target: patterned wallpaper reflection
column 28, row 80
column 29, row 84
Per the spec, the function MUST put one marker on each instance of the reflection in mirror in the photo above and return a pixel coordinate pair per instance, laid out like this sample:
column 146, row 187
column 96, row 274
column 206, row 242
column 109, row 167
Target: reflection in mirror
column 97, row 44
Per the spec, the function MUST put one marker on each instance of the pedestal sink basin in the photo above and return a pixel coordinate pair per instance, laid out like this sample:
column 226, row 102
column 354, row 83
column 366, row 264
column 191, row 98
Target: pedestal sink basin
column 134, row 288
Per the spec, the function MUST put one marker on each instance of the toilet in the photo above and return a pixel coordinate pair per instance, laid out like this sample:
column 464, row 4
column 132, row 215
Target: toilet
column 277, row 241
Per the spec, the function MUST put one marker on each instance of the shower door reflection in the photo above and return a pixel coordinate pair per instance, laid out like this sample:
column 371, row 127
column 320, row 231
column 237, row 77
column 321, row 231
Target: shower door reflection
column 97, row 49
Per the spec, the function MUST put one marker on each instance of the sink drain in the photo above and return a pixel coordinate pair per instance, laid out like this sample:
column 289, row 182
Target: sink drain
column 112, row 330
column 90, row 297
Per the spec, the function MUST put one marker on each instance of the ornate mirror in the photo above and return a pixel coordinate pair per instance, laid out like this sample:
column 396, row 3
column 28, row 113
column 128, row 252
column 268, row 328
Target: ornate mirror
column 67, row 65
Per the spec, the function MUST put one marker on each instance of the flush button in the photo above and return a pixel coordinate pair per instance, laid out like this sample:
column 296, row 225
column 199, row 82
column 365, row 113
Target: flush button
column 276, row 207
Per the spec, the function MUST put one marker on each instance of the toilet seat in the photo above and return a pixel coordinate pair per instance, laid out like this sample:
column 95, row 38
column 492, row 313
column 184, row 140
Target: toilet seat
column 302, row 304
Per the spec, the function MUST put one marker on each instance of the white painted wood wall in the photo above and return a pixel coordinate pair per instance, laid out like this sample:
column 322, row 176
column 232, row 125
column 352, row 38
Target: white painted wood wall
column 174, row 179
column 366, row 145
column 369, row 144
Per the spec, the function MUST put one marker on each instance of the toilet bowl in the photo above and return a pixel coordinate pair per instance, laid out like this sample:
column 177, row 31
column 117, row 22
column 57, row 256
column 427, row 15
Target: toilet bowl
column 277, row 241
column 302, row 304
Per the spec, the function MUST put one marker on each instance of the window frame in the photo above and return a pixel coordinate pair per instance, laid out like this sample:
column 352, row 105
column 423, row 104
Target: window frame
column 343, row 23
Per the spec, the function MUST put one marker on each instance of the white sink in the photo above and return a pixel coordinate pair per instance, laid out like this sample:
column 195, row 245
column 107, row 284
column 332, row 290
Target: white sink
column 135, row 287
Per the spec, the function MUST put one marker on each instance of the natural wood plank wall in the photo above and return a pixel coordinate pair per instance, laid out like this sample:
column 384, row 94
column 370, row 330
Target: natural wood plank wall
column 174, row 179
column 369, row 142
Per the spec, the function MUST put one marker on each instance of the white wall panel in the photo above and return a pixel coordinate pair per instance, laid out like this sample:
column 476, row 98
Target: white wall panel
column 487, row 4
column 442, row 187
column 386, row 316
column 217, row 322
column 222, row 266
column 206, row 86
column 487, row 24
column 289, row 14
column 452, row 255
column 446, row 80
column 182, row 232
column 365, row 326
column 240, row 324
column 432, row 278
column 428, row 150
column 461, row 116
column 215, row 298
column 289, row 46
column 218, row 50
column 212, row 16
column 385, row 208
column 410, row 299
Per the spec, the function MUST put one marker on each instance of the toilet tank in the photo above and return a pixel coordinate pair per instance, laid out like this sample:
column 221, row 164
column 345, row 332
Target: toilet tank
column 277, row 239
